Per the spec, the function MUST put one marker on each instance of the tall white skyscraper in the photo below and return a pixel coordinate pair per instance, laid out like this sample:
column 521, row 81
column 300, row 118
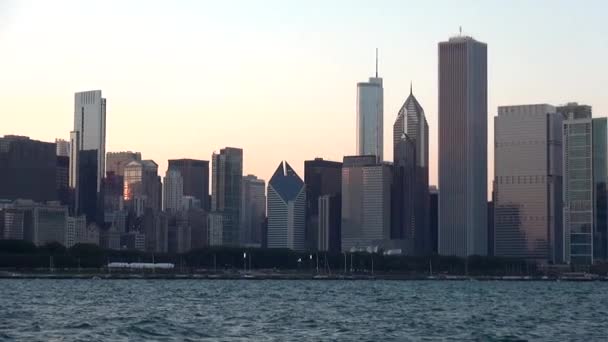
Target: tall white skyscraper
column 89, row 132
column 173, row 191
column 370, row 116
column 463, row 147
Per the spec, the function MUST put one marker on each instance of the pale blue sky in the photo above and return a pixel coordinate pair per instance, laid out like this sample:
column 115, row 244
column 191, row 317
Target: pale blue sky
column 278, row 78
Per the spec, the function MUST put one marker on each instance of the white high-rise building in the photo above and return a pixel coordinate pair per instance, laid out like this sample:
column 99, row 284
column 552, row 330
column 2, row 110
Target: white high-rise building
column 173, row 191
column 370, row 116
column 63, row 147
column 89, row 132
column 286, row 209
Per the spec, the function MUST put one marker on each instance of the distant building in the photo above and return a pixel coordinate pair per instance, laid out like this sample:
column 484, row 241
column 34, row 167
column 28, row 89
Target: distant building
column 195, row 174
column 463, row 141
column 112, row 194
column 190, row 203
column 179, row 238
column 110, row 239
column 62, row 172
column 528, row 182
column 199, row 227
column 579, row 215
column 411, row 177
column 12, row 224
column 87, row 195
column 366, row 203
column 286, row 209
column 216, row 226
column 62, row 148
column 173, row 191
column 117, row 161
column 227, row 178
column 600, row 189
column 156, row 230
column 329, row 223
column 370, row 114
column 89, row 133
column 322, row 177
column 433, row 216
column 142, row 186
column 133, row 241
column 27, row 169
column 42, row 223
column 253, row 210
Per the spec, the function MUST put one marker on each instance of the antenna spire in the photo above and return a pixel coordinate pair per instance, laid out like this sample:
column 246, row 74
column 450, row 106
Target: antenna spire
column 376, row 62
column 460, row 30
column 410, row 87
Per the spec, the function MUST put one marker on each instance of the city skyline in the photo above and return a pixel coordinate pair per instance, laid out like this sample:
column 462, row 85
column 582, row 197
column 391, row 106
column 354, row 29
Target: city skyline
column 187, row 118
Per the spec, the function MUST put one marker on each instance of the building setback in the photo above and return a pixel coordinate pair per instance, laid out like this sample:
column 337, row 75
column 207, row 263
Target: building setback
column 528, row 180
column 463, row 147
column 286, row 209
column 117, row 161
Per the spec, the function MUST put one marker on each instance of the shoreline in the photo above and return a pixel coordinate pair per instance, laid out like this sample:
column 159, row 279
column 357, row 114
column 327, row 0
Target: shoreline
column 285, row 276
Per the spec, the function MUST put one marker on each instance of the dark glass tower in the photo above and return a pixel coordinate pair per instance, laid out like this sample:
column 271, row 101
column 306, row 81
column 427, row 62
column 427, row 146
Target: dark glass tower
column 195, row 174
column 322, row 177
column 27, row 169
column 227, row 178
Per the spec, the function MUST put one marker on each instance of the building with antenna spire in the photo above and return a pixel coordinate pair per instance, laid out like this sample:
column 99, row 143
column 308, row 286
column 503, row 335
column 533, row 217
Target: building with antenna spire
column 370, row 114
column 410, row 198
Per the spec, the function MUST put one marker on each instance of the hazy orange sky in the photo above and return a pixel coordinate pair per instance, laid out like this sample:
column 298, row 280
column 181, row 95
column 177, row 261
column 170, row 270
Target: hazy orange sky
column 278, row 78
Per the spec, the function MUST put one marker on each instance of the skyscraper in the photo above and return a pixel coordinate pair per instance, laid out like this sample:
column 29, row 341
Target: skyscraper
column 116, row 161
column 142, row 186
column 89, row 131
column 370, row 116
column 528, row 182
column 366, row 203
column 463, row 141
column 227, row 179
column 286, row 209
column 322, row 177
column 579, row 215
column 195, row 174
column 63, row 147
column 411, row 177
column 87, row 198
column 600, row 188
column 173, row 191
column 27, row 169
column 253, row 210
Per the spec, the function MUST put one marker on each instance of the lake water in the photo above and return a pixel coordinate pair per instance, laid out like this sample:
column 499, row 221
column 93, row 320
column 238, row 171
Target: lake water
column 272, row 310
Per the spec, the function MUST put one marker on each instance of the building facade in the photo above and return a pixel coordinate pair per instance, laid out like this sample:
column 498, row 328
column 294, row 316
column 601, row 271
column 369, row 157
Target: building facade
column 600, row 189
column 463, row 164
column 173, row 191
column 527, row 184
column 322, row 177
column 227, row 178
column 117, row 161
column 411, row 177
column 253, row 210
column 366, row 203
column 370, row 117
column 329, row 223
column 27, row 169
column 286, row 209
column 195, row 174
column 578, row 194
column 89, row 132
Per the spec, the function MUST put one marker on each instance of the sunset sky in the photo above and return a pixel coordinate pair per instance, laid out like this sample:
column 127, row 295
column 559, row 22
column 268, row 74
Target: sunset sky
column 278, row 78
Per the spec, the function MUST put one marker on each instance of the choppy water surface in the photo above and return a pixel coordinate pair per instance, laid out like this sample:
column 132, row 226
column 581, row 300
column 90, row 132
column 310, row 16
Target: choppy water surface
column 218, row 310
